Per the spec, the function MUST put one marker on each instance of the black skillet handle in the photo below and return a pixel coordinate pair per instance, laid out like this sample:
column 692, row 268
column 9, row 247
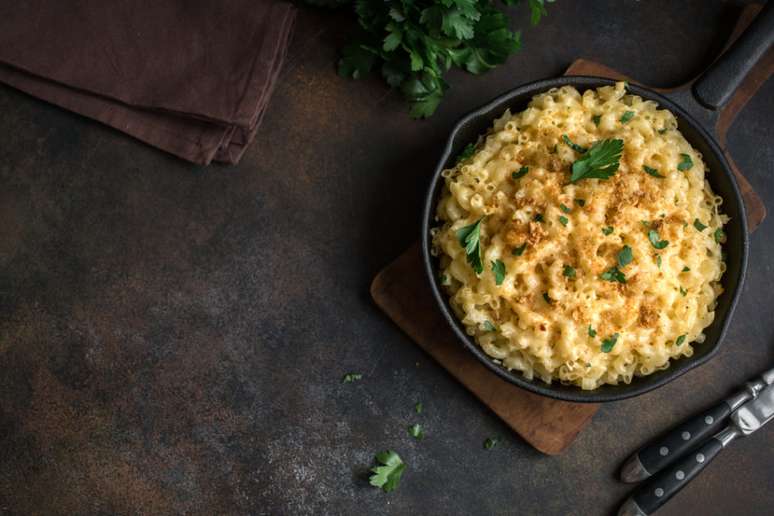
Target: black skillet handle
column 716, row 86
column 654, row 493
column 664, row 450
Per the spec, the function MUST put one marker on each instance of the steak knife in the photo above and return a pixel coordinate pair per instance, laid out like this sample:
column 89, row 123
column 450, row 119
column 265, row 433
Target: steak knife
column 662, row 451
column 656, row 491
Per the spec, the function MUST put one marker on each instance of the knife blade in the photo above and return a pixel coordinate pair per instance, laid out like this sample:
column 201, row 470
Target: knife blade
column 662, row 451
column 655, row 492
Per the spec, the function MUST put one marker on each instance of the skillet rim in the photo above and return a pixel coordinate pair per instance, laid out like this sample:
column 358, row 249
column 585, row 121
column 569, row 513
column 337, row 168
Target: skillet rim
column 568, row 393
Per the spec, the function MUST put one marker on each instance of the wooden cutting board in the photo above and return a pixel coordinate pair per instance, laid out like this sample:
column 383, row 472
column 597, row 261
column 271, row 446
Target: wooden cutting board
column 402, row 292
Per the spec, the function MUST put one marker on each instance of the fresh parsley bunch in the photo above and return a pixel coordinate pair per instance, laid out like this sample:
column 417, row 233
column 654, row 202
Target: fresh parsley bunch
column 415, row 42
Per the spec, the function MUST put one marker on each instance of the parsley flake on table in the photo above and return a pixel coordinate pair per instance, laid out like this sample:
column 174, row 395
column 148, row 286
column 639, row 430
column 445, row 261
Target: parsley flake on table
column 490, row 442
column 419, row 407
column 655, row 240
column 698, row 225
column 520, row 173
column 574, row 146
column 351, row 377
column 498, row 268
column 564, row 220
column 470, row 238
column 609, row 343
column 568, row 271
column 608, row 230
column 680, row 340
column 466, row 153
column 580, row 202
column 596, row 119
column 625, row 256
column 518, row 251
column 627, row 116
column 600, row 162
column 720, row 235
column 592, row 332
column 652, row 171
column 488, row 326
column 416, row 431
column 564, row 208
column 686, row 163
column 387, row 476
column 613, row 274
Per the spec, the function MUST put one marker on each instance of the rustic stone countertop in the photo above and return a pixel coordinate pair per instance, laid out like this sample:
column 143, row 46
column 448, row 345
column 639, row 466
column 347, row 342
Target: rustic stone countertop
column 172, row 338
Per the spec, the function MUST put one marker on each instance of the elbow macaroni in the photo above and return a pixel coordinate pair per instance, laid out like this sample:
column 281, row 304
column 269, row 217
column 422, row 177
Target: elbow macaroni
column 539, row 320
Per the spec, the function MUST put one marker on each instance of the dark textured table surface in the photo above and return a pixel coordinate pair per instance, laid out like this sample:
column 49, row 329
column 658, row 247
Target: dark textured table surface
column 172, row 339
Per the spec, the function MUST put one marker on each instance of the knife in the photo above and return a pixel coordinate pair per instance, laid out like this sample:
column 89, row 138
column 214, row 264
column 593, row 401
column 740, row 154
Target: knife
column 655, row 492
column 681, row 439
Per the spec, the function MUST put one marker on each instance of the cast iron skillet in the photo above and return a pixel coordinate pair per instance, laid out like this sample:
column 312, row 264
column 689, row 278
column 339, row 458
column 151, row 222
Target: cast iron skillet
column 696, row 112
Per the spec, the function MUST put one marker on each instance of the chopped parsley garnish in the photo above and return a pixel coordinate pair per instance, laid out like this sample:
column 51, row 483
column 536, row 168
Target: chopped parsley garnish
column 351, row 377
column 625, row 256
column 498, row 268
column 596, row 119
column 683, row 292
column 418, row 407
column 387, row 476
column 444, row 279
column 569, row 271
column 658, row 261
column 608, row 343
column 416, row 431
column 592, row 332
column 564, row 220
column 490, row 442
column 686, row 163
column 680, row 340
column 627, row 116
column 470, row 239
column 720, row 235
column 518, row 251
column 686, row 269
column 600, row 162
column 520, row 173
column 662, row 131
column 564, row 208
column 573, row 146
column 698, row 225
column 613, row 274
column 608, row 230
column 466, row 153
column 580, row 202
column 538, row 217
column 656, row 241
column 547, row 298
column 488, row 326
column 652, row 171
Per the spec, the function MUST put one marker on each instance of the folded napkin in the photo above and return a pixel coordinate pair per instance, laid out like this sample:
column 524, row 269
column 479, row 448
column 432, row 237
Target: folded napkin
column 190, row 77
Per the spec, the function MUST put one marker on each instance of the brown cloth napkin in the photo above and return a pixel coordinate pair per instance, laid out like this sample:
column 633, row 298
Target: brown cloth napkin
column 190, row 77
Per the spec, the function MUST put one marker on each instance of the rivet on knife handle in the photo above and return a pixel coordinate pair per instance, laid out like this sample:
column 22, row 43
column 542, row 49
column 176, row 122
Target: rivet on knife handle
column 664, row 450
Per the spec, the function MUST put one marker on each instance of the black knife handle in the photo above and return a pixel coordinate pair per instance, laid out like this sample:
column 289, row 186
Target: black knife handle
column 664, row 450
column 655, row 492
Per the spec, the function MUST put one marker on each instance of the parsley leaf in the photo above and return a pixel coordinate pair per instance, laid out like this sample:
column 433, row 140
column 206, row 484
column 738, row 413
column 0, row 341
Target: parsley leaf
column 564, row 208
column 569, row 271
column 418, row 407
column 608, row 230
column 683, row 292
column 686, row 269
column 627, row 116
column 466, row 153
column 680, row 340
column 652, row 171
column 573, row 146
column 608, row 343
column 547, row 298
column 520, row 173
column 600, row 162
column 490, row 442
column 720, row 235
column 686, row 163
column 698, row 225
column 488, row 326
column 592, row 332
column 356, row 60
column 580, row 202
column 658, row 261
column 655, row 240
column 625, row 256
column 351, row 377
column 596, row 119
column 387, row 476
column 416, row 431
column 518, row 251
column 564, row 220
column 538, row 217
column 613, row 274
column 470, row 238
column 498, row 268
